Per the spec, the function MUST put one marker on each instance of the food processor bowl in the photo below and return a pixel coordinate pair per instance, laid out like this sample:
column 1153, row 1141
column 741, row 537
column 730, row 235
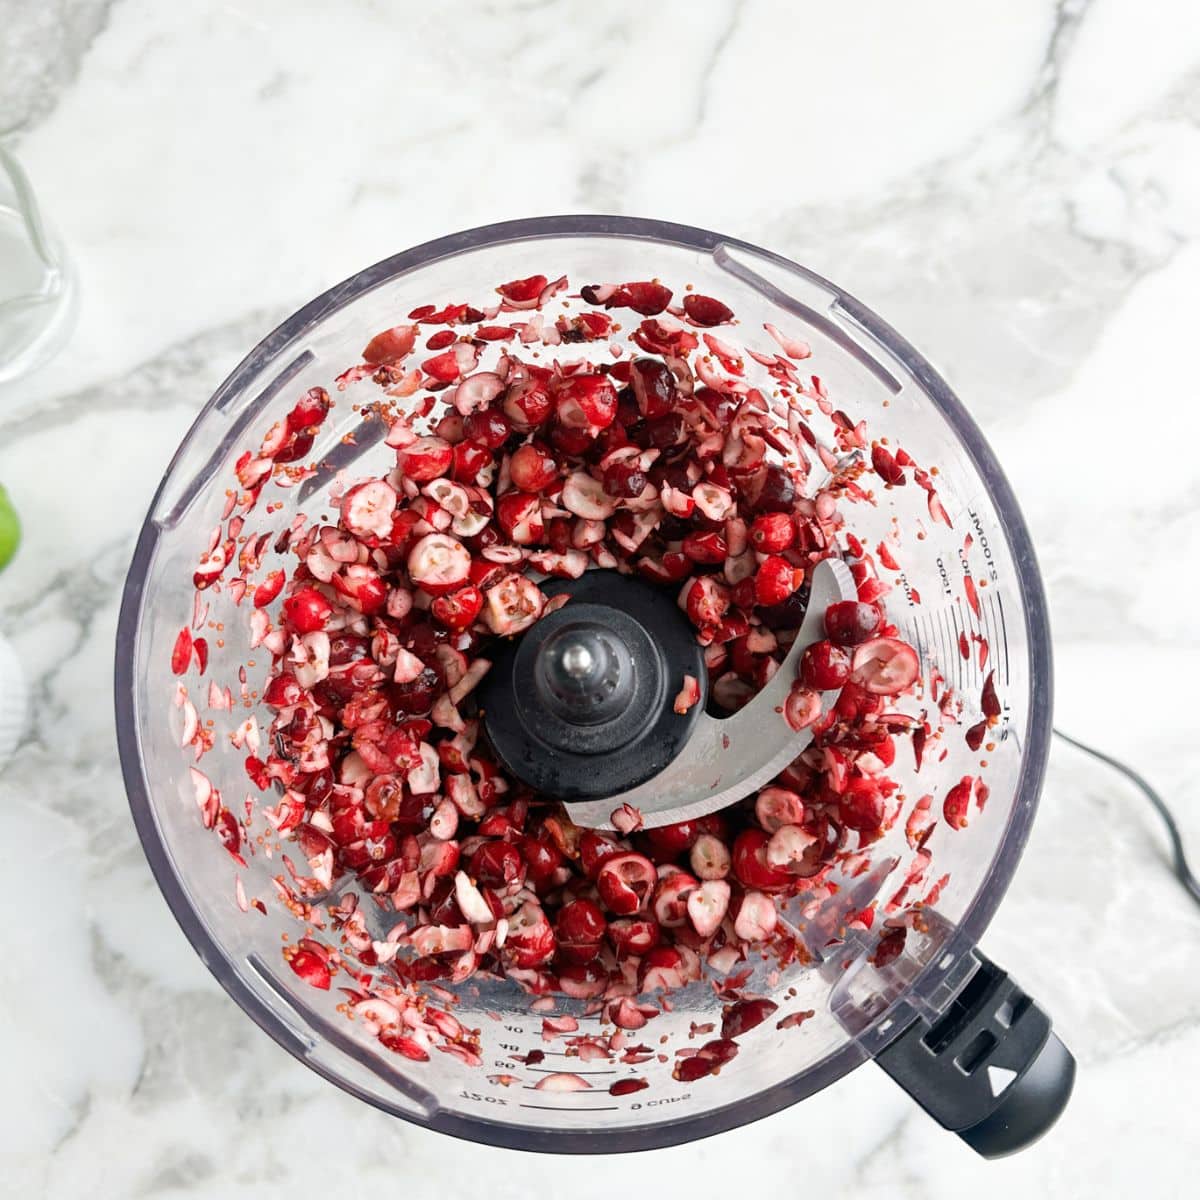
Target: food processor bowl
column 945, row 1022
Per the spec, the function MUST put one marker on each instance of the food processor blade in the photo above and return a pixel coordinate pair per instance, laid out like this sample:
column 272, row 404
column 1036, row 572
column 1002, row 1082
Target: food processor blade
column 728, row 758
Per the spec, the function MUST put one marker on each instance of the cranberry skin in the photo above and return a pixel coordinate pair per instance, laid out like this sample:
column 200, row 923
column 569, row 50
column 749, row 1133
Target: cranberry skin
column 772, row 533
column 850, row 622
column 625, row 479
column 704, row 310
column 558, row 534
column 789, row 614
column 531, row 468
column 774, row 491
column 580, row 928
column 306, row 611
column 669, row 842
column 316, row 787
column 633, row 935
column 750, row 866
column 542, row 859
column 469, row 459
column 581, row 921
column 775, row 580
column 745, row 1015
column 593, row 851
column 490, row 427
column 708, row 548
column 646, row 298
column 653, row 387
column 459, row 609
column 422, row 639
column 861, row 806
column 588, row 401
column 346, row 648
column 660, row 433
column 574, row 443
column 443, row 907
column 824, row 666
column 415, row 698
column 521, row 290
column 496, row 864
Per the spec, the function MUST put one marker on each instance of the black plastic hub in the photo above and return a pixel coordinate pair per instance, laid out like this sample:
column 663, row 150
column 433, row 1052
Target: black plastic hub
column 581, row 706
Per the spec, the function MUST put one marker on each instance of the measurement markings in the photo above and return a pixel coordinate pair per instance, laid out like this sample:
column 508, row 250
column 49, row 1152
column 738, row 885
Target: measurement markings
column 995, row 598
column 580, row 1108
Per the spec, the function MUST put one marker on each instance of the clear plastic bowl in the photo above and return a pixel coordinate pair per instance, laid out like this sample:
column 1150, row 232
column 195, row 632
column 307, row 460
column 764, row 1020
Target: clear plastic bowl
column 870, row 371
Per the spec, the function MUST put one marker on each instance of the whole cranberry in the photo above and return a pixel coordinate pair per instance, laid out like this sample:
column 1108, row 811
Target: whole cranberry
column 850, row 622
column 306, row 611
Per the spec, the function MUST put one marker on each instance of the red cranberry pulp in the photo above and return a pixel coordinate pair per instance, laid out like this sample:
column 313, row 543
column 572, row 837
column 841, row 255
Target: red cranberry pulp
column 556, row 429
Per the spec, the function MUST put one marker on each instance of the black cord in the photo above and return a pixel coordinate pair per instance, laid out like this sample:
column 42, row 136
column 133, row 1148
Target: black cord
column 1180, row 864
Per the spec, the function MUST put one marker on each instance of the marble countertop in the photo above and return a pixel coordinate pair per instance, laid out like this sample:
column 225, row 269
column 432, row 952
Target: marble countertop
column 1013, row 183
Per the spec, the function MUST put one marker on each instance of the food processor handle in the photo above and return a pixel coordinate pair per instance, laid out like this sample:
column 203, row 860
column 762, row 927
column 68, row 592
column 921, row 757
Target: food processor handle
column 989, row 1068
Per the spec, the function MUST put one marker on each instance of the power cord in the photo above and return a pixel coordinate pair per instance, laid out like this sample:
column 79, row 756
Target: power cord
column 1180, row 863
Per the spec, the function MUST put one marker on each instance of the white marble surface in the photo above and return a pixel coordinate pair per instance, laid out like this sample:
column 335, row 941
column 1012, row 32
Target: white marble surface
column 1014, row 183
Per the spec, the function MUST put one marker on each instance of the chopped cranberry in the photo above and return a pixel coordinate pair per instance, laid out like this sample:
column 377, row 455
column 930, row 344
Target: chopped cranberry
column 824, row 666
column 625, row 478
column 528, row 404
column 459, row 609
column 587, row 402
column 705, row 547
column 744, row 1015
column 750, row 865
column 885, row 666
column 772, row 490
column 489, row 427
column 417, row 696
column 542, row 859
column 391, row 346
column 653, row 387
column 579, row 927
column 497, row 864
column 523, row 290
column 532, row 469
column 689, row 461
column 625, row 882
column 704, row 310
column 468, row 460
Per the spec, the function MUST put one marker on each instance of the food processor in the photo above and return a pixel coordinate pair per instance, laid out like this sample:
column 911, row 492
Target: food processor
column 944, row 1021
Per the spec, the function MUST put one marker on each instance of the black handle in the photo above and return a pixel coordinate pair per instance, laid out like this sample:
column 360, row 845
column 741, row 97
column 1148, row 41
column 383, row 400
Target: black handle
column 989, row 1068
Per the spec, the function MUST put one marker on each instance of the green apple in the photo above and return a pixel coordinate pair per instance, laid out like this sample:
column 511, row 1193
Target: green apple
column 10, row 530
